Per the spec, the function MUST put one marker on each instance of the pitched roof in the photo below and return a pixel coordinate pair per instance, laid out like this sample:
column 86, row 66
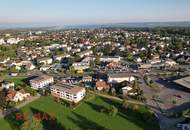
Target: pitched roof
column 100, row 84
column 10, row 94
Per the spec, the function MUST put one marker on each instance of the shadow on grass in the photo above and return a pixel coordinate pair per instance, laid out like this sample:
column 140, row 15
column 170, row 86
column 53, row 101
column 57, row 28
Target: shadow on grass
column 26, row 80
column 135, row 116
column 97, row 108
column 14, row 122
column 48, row 121
column 84, row 124
column 17, row 118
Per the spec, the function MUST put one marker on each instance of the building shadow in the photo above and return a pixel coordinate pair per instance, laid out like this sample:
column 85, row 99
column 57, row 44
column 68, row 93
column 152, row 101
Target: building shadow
column 26, row 80
column 13, row 119
column 48, row 121
column 84, row 124
column 179, row 108
column 169, row 83
column 134, row 116
column 97, row 108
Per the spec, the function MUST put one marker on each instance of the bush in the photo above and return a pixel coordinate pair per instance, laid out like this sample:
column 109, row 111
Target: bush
column 89, row 97
column 135, row 107
column 148, row 117
column 30, row 90
column 125, row 104
column 113, row 111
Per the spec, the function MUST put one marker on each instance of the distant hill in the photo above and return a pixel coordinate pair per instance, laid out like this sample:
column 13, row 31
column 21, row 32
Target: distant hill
column 88, row 26
column 135, row 25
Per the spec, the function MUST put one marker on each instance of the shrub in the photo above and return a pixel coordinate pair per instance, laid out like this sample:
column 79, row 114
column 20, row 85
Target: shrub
column 125, row 104
column 135, row 107
column 113, row 111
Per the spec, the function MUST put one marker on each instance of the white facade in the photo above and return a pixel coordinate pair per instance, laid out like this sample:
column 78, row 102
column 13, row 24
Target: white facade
column 13, row 40
column 110, row 59
column 69, row 93
column 20, row 97
column 7, row 85
column 59, row 58
column 2, row 41
column 170, row 63
column 41, row 82
column 81, row 65
column 44, row 68
column 120, row 77
column 85, row 53
column 46, row 61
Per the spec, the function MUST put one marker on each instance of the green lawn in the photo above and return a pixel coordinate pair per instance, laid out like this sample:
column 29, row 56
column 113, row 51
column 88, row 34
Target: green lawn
column 20, row 81
column 85, row 116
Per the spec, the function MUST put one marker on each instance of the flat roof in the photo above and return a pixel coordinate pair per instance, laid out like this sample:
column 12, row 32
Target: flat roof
column 184, row 82
column 68, row 88
column 119, row 75
column 41, row 78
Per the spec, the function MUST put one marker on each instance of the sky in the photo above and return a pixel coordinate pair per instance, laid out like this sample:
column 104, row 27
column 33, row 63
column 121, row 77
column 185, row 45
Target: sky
column 69, row 12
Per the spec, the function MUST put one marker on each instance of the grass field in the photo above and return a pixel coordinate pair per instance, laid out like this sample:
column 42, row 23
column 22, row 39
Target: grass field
column 85, row 117
column 17, row 80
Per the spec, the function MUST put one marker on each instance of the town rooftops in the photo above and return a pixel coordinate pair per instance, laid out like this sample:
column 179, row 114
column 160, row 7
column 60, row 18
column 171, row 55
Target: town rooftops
column 111, row 57
column 44, row 59
column 86, row 51
column 68, row 88
column 184, row 82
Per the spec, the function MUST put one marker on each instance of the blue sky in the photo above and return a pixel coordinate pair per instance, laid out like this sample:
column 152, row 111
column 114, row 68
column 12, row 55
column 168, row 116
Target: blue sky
column 92, row 11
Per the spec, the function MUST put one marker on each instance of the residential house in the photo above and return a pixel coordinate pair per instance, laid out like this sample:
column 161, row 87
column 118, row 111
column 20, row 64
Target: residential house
column 85, row 53
column 87, row 79
column 81, row 65
column 59, row 57
column 44, row 68
column 170, row 63
column 45, row 61
column 68, row 92
column 13, row 40
column 110, row 59
column 126, row 89
column 2, row 41
column 16, row 96
column 102, row 85
column 156, row 59
column 144, row 66
column 28, row 65
column 7, row 84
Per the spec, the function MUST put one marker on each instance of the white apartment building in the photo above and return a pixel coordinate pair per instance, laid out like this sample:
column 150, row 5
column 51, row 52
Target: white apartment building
column 81, row 65
column 2, row 41
column 45, row 61
column 110, row 59
column 68, row 92
column 13, row 40
column 120, row 77
column 85, row 53
column 41, row 82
